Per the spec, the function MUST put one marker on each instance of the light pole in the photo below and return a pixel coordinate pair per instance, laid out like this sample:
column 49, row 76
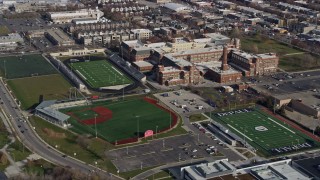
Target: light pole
column 95, row 124
column 123, row 90
column 5, row 69
column 137, row 126
column 170, row 120
column 244, row 136
column 157, row 131
column 314, row 124
column 141, row 165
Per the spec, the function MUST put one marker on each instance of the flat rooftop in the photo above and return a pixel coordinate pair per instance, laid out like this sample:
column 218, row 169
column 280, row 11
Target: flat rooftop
column 216, row 67
column 310, row 165
column 210, row 169
column 178, row 61
column 58, row 35
column 280, row 170
column 244, row 54
column 267, row 55
column 170, row 69
column 216, row 36
column 143, row 64
column 198, row 51
column 133, row 43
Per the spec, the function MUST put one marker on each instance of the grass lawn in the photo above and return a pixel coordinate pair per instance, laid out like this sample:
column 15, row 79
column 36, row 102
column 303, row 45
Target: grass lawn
column 99, row 73
column 266, row 45
column 160, row 175
column 3, row 135
column 29, row 90
column 197, row 117
column 17, row 151
column 267, row 134
column 4, row 30
column 287, row 62
column 25, row 66
column 69, row 146
column 38, row 167
column 128, row 118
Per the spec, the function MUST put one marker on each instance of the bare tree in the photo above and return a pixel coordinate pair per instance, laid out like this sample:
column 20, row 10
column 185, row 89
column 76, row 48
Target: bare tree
column 255, row 49
column 83, row 141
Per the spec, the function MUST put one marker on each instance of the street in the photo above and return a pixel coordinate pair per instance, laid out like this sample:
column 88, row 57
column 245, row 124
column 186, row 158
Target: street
column 32, row 141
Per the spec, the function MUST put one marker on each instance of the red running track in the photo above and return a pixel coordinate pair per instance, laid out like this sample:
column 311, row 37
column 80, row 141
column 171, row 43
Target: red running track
column 292, row 124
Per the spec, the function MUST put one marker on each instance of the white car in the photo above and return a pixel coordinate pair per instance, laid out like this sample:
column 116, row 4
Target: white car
column 195, row 150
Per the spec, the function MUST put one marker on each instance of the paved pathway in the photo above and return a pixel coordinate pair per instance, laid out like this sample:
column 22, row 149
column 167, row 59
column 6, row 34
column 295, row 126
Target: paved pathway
column 13, row 169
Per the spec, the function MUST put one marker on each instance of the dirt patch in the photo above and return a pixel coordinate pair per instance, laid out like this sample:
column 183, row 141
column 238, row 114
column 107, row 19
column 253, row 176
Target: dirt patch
column 53, row 134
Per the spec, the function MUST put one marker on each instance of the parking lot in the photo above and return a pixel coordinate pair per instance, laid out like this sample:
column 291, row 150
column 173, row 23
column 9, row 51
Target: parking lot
column 41, row 43
column 26, row 24
column 183, row 101
column 293, row 86
column 158, row 152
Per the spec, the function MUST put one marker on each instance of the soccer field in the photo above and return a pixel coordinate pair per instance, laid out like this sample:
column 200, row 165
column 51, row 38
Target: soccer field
column 100, row 74
column 28, row 90
column 25, row 66
column 264, row 132
column 124, row 120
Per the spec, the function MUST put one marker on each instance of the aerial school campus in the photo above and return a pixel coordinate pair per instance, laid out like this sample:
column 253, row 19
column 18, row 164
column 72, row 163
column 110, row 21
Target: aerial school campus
column 128, row 120
column 114, row 102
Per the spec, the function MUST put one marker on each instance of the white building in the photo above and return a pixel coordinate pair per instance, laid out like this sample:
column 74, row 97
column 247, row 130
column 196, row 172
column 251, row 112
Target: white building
column 10, row 41
column 68, row 16
column 141, row 33
column 177, row 7
column 11, row 2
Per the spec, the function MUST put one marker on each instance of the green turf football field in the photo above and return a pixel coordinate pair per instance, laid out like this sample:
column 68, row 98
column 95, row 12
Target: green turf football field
column 100, row 73
column 264, row 132
column 25, row 66
column 128, row 117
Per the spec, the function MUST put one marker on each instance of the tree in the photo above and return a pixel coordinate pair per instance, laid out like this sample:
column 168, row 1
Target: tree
column 317, row 130
column 83, row 141
column 235, row 33
column 255, row 49
column 269, row 102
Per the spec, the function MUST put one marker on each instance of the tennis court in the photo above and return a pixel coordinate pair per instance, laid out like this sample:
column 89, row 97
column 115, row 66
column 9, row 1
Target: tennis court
column 99, row 74
column 264, row 132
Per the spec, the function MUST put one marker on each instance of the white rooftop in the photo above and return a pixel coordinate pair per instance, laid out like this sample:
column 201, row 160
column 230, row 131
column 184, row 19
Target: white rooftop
column 176, row 7
column 244, row 54
column 278, row 171
column 267, row 55
column 199, row 50
column 142, row 64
